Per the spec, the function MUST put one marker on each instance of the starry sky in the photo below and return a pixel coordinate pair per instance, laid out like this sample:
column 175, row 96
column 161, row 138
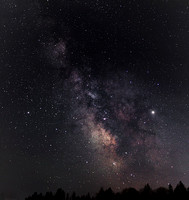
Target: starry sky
column 93, row 93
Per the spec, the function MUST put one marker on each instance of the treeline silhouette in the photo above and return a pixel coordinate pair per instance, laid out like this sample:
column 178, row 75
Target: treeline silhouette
column 146, row 193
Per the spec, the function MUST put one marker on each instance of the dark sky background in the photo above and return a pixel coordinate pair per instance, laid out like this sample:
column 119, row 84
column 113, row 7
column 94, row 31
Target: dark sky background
column 93, row 93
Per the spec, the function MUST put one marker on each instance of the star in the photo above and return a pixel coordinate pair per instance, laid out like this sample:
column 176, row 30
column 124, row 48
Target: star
column 153, row 112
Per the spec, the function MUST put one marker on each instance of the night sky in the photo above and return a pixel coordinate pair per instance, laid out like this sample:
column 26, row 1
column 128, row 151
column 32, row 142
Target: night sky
column 93, row 93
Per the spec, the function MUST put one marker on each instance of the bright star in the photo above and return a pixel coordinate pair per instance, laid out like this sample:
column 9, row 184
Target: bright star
column 153, row 112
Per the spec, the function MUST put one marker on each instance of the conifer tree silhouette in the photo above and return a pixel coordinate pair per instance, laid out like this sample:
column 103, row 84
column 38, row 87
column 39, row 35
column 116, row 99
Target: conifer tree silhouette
column 179, row 193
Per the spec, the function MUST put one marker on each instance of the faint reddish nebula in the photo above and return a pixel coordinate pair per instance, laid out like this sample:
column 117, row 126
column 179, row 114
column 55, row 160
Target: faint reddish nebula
column 122, row 116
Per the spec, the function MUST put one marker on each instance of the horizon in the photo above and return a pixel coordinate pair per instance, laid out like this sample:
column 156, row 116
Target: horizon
column 14, row 196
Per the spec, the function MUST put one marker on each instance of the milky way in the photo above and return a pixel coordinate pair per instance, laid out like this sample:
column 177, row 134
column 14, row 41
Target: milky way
column 93, row 94
column 115, row 118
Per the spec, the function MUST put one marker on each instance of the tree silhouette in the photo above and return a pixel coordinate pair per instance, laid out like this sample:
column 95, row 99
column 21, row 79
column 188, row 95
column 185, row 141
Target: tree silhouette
column 180, row 188
column 170, row 189
column 60, row 194
column 180, row 192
